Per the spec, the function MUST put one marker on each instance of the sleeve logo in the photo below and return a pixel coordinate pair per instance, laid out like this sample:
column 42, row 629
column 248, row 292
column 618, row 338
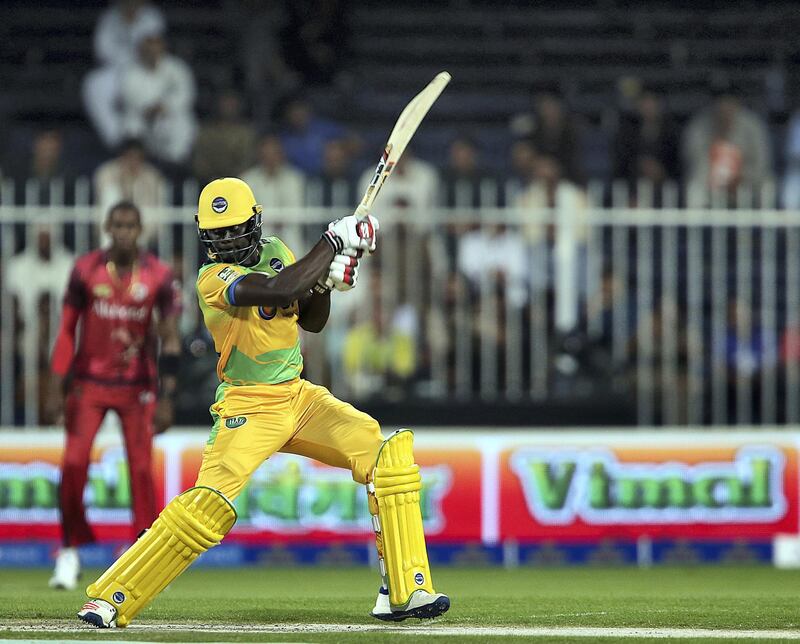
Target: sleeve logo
column 276, row 265
column 227, row 274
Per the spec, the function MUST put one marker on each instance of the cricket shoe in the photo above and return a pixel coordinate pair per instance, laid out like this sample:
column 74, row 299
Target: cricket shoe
column 67, row 570
column 421, row 604
column 98, row 613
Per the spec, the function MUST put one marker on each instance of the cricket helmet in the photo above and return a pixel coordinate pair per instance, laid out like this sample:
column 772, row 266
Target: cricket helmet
column 229, row 220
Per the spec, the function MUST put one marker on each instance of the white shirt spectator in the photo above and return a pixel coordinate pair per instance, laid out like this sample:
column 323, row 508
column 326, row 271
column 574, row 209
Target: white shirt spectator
column 158, row 94
column 495, row 251
column 282, row 189
column 41, row 269
column 129, row 177
column 115, row 39
column 116, row 32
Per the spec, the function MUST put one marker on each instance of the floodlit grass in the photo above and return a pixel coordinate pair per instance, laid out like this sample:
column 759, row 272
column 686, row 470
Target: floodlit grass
column 725, row 597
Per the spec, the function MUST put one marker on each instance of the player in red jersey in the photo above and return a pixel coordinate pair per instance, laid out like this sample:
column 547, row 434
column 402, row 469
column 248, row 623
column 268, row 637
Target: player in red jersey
column 126, row 301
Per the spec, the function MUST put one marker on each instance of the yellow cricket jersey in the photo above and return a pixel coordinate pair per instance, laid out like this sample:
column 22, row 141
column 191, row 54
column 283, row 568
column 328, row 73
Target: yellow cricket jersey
column 256, row 345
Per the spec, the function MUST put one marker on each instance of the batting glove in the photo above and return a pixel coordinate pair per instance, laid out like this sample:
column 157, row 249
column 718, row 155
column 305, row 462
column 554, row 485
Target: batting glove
column 354, row 233
column 343, row 272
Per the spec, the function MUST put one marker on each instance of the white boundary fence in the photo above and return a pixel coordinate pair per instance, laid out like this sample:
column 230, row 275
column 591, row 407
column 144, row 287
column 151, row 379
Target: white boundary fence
column 694, row 312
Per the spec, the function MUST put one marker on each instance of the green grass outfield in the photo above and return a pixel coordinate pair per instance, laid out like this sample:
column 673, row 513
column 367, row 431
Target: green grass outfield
column 241, row 604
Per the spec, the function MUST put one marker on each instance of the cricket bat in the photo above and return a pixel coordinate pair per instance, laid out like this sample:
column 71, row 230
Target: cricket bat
column 407, row 123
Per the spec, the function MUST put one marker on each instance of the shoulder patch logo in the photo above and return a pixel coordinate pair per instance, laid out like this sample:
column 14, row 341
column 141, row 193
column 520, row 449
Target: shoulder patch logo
column 227, row 274
column 219, row 205
column 235, row 422
column 276, row 265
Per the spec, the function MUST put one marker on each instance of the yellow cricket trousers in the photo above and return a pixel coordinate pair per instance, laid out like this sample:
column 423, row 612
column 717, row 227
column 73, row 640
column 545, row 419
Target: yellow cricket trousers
column 253, row 422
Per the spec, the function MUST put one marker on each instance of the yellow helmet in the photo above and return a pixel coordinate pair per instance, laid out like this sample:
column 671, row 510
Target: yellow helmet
column 226, row 202
column 229, row 221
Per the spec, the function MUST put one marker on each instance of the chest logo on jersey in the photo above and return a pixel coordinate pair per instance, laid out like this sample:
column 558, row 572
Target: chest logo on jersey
column 101, row 290
column 276, row 265
column 235, row 422
column 113, row 311
column 139, row 291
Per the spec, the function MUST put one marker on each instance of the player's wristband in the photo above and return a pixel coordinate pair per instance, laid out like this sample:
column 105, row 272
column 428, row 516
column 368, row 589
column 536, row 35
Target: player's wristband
column 334, row 241
column 168, row 364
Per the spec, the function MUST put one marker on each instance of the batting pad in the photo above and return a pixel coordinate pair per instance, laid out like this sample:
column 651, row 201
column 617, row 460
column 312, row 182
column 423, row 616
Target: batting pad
column 189, row 525
column 396, row 483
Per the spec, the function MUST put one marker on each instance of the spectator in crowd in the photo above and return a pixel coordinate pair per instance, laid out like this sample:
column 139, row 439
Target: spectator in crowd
column 267, row 76
column 36, row 181
column 548, row 188
column 556, row 134
column 745, row 354
column 646, row 146
column 461, row 179
column 379, row 353
column 46, row 161
column 791, row 186
column 414, row 185
column 275, row 183
column 521, row 157
column 41, row 269
column 224, row 145
column 497, row 253
column 158, row 94
column 129, row 177
column 667, row 348
column 725, row 147
column 36, row 278
column 304, row 135
column 315, row 38
column 115, row 47
column 334, row 185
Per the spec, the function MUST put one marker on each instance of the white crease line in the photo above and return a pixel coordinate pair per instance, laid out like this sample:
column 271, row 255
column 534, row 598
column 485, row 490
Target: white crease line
column 433, row 629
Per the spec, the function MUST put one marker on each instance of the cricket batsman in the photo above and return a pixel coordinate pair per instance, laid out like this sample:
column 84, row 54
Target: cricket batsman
column 253, row 295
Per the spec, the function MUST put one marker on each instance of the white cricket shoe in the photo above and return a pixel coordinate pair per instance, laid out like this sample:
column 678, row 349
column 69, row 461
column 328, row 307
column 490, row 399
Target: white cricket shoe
column 67, row 570
column 421, row 605
column 99, row 613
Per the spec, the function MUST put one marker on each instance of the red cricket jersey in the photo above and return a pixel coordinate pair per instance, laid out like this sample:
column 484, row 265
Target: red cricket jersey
column 118, row 342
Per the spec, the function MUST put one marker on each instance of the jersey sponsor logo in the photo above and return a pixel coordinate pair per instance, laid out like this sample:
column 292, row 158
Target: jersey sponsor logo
column 219, row 205
column 276, row 265
column 139, row 291
column 109, row 311
column 227, row 274
column 236, row 422
column 101, row 290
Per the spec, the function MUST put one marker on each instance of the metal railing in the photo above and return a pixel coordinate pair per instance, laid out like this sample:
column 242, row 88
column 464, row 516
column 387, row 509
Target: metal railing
column 693, row 313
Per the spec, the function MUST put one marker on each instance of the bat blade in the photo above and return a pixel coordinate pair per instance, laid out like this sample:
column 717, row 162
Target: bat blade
column 405, row 127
